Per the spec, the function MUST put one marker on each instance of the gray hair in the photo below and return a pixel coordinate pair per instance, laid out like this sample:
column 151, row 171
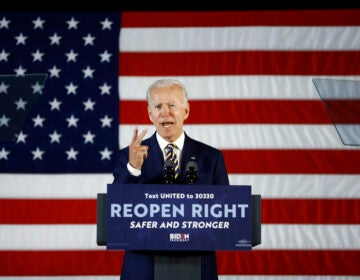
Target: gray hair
column 166, row 83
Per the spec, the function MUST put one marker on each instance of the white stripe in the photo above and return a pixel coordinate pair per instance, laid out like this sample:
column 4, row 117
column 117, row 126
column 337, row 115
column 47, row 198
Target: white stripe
column 53, row 186
column 83, row 237
column 230, row 136
column 300, row 185
column 268, row 186
column 304, row 237
column 286, row 277
column 232, row 87
column 221, row 277
column 239, row 38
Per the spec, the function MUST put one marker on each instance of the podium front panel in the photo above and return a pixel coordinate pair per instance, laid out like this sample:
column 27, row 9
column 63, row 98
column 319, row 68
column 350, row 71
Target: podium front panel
column 178, row 217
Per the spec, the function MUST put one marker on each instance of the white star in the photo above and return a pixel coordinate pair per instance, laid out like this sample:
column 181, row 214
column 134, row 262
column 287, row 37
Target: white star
column 55, row 39
column 106, row 121
column 38, row 121
column 20, row 39
column 4, row 55
column 71, row 89
column 37, row 88
column 20, row 71
column 21, row 137
column 3, row 88
column 72, row 23
column 38, row 23
column 55, row 104
column 105, row 154
column 4, row 153
column 20, row 104
column 71, row 154
column 105, row 89
column 88, row 72
column 4, row 23
column 72, row 121
column 37, row 55
column 4, row 120
column 54, row 137
column 105, row 56
column 71, row 56
column 37, row 153
column 106, row 24
column 89, row 105
column 89, row 40
column 54, row 72
column 89, row 137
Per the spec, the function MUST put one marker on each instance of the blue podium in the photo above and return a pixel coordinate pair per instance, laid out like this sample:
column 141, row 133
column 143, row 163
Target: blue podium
column 178, row 218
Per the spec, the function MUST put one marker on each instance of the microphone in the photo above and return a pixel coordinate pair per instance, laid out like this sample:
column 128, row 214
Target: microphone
column 191, row 172
column 169, row 172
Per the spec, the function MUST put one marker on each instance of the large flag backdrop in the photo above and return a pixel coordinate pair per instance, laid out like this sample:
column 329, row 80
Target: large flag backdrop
column 249, row 76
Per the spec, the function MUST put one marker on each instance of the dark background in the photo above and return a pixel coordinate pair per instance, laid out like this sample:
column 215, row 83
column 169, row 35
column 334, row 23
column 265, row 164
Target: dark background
column 168, row 5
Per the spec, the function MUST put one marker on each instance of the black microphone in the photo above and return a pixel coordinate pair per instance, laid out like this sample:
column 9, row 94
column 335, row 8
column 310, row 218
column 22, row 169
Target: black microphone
column 191, row 172
column 169, row 172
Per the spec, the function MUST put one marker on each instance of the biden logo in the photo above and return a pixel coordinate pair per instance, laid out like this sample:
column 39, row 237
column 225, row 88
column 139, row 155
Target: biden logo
column 179, row 237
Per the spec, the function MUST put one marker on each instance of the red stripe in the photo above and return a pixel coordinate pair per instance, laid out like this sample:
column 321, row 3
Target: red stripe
column 239, row 18
column 47, row 211
column 240, row 112
column 239, row 63
column 255, row 262
column 83, row 211
column 310, row 211
column 292, row 161
column 289, row 262
column 343, row 111
column 60, row 263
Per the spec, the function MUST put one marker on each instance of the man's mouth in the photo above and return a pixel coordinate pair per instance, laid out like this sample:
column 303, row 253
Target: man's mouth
column 167, row 124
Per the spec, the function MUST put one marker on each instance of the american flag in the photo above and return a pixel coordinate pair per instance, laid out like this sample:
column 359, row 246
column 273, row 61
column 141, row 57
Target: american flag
column 250, row 80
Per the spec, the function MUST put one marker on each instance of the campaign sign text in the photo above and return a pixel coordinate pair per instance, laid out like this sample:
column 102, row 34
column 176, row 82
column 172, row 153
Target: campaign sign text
column 178, row 217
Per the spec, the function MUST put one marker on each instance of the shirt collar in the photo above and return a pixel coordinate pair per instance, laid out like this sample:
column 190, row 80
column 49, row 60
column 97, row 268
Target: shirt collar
column 178, row 142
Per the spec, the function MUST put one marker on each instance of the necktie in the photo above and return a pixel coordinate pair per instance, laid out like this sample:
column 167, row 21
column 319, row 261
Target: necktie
column 171, row 155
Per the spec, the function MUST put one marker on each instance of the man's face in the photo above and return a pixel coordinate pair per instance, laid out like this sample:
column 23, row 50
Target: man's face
column 168, row 112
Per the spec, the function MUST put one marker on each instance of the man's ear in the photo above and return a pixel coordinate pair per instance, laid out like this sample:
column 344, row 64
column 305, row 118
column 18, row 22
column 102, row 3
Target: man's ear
column 149, row 114
column 187, row 111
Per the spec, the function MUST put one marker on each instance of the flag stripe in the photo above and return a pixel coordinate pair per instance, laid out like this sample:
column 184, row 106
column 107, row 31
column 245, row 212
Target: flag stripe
column 253, row 112
column 343, row 111
column 227, row 18
column 293, row 161
column 241, row 38
column 274, row 236
column 289, row 262
column 83, row 211
column 239, row 63
column 229, row 87
column 98, row 262
column 268, row 185
column 226, row 137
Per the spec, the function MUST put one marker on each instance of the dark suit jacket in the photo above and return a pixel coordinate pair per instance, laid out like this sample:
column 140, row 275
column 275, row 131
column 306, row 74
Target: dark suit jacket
column 139, row 265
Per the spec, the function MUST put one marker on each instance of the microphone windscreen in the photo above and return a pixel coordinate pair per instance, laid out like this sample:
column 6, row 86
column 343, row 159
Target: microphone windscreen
column 168, row 164
column 191, row 175
column 192, row 165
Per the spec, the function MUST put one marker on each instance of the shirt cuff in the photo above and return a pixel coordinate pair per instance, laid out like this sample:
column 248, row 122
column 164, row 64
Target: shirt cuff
column 133, row 171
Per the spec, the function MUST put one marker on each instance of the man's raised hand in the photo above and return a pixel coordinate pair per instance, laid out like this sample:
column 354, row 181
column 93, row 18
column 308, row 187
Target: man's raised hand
column 137, row 152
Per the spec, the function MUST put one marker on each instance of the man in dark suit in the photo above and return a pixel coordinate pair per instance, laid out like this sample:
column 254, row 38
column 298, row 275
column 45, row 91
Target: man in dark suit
column 142, row 162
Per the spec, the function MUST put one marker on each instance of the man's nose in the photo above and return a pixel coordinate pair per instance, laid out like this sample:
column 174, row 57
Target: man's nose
column 165, row 110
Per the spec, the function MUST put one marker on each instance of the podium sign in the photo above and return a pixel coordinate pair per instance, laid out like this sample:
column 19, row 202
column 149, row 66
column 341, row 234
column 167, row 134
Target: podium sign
column 178, row 217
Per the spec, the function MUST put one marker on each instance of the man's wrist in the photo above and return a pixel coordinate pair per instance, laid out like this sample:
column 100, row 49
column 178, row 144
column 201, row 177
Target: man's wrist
column 133, row 171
